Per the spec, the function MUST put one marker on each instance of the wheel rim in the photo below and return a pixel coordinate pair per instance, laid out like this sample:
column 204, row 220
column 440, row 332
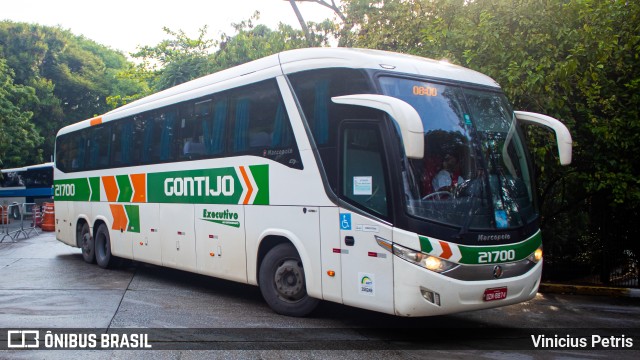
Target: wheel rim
column 289, row 280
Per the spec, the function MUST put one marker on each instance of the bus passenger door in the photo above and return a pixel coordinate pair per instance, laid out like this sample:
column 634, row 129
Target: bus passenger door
column 367, row 268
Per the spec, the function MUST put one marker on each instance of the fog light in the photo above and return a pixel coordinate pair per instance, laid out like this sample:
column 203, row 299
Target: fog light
column 431, row 296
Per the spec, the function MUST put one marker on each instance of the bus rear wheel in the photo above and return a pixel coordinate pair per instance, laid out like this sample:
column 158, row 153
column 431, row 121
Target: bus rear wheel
column 282, row 282
column 103, row 247
column 88, row 244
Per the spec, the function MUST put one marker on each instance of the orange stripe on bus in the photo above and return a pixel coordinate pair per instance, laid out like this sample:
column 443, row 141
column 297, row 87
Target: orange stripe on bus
column 245, row 201
column 139, row 182
column 110, row 188
column 119, row 217
column 96, row 121
column 446, row 250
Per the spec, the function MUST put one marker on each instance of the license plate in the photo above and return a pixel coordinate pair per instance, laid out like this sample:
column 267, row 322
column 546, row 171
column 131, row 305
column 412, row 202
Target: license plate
column 495, row 294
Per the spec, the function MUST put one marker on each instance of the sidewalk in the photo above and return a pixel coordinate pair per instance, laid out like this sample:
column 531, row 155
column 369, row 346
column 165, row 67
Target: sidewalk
column 547, row 288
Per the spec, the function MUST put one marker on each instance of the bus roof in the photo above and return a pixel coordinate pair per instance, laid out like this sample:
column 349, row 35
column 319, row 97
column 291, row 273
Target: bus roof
column 304, row 59
column 28, row 167
column 290, row 62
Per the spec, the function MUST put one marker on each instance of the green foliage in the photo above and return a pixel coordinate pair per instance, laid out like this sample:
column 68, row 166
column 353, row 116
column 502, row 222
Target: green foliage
column 18, row 137
column 253, row 42
column 175, row 61
column 576, row 60
column 71, row 76
column 180, row 59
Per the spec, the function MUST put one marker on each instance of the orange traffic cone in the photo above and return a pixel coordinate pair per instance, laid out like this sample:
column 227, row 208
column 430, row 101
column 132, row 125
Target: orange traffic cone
column 48, row 223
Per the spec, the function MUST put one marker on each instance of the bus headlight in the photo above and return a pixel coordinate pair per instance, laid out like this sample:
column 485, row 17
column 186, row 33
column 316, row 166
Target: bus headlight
column 536, row 256
column 422, row 259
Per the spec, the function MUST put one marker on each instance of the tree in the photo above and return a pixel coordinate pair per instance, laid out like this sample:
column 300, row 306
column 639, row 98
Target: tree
column 176, row 60
column 72, row 76
column 181, row 58
column 18, row 136
column 251, row 42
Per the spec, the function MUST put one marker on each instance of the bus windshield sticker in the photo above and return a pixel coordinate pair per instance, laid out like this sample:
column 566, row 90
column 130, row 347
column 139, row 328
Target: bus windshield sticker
column 362, row 185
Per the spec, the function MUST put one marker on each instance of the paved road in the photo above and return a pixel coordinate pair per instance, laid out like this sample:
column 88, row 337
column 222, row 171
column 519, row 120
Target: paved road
column 45, row 284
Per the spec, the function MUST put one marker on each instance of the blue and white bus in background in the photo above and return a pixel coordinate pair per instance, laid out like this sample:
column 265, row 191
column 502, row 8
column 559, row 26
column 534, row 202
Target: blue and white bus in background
column 29, row 184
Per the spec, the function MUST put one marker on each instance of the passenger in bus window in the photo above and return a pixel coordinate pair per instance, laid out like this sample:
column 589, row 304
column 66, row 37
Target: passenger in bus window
column 447, row 178
column 193, row 145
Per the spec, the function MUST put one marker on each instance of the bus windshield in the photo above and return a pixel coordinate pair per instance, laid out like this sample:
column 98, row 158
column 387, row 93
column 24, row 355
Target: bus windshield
column 475, row 173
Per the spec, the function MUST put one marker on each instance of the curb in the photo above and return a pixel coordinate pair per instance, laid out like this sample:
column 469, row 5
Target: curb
column 588, row 290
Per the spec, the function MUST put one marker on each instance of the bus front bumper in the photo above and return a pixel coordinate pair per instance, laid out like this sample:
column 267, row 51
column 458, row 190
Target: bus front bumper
column 421, row 292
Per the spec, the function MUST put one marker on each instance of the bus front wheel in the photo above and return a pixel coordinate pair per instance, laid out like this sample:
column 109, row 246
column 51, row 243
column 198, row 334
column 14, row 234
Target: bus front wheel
column 282, row 282
column 103, row 247
column 88, row 244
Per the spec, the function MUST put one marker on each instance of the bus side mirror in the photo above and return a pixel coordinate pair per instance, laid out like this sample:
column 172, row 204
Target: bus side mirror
column 402, row 113
column 563, row 136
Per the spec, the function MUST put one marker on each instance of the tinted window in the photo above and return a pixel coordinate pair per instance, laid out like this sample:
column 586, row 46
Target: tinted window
column 314, row 90
column 250, row 120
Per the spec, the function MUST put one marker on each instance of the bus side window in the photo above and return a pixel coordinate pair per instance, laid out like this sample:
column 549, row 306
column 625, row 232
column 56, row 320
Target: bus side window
column 213, row 128
column 98, row 146
column 157, row 137
column 314, row 89
column 78, row 151
column 363, row 167
column 122, row 143
column 261, row 126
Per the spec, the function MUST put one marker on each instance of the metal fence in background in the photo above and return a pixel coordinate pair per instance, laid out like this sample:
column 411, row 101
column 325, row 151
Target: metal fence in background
column 599, row 261
column 19, row 220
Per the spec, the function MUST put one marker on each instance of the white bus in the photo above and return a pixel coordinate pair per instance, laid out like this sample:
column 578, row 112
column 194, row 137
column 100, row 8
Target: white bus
column 312, row 173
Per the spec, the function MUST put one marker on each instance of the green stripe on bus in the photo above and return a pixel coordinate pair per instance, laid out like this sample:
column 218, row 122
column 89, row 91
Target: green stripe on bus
column 494, row 254
column 207, row 186
column 133, row 213
column 94, row 184
column 71, row 190
column 203, row 186
column 261, row 176
column 125, row 188
column 425, row 244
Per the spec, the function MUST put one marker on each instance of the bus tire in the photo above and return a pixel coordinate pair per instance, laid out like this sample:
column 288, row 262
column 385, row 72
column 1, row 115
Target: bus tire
column 103, row 247
column 87, row 244
column 282, row 283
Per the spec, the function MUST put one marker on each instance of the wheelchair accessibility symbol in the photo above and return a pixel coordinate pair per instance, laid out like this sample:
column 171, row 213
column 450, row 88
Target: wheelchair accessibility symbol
column 345, row 221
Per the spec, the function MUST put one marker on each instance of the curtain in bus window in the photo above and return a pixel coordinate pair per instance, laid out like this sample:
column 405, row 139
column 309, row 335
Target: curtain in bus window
column 321, row 112
column 282, row 130
column 242, row 125
column 214, row 132
column 148, row 140
column 78, row 159
column 94, row 149
column 125, row 142
column 167, row 135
